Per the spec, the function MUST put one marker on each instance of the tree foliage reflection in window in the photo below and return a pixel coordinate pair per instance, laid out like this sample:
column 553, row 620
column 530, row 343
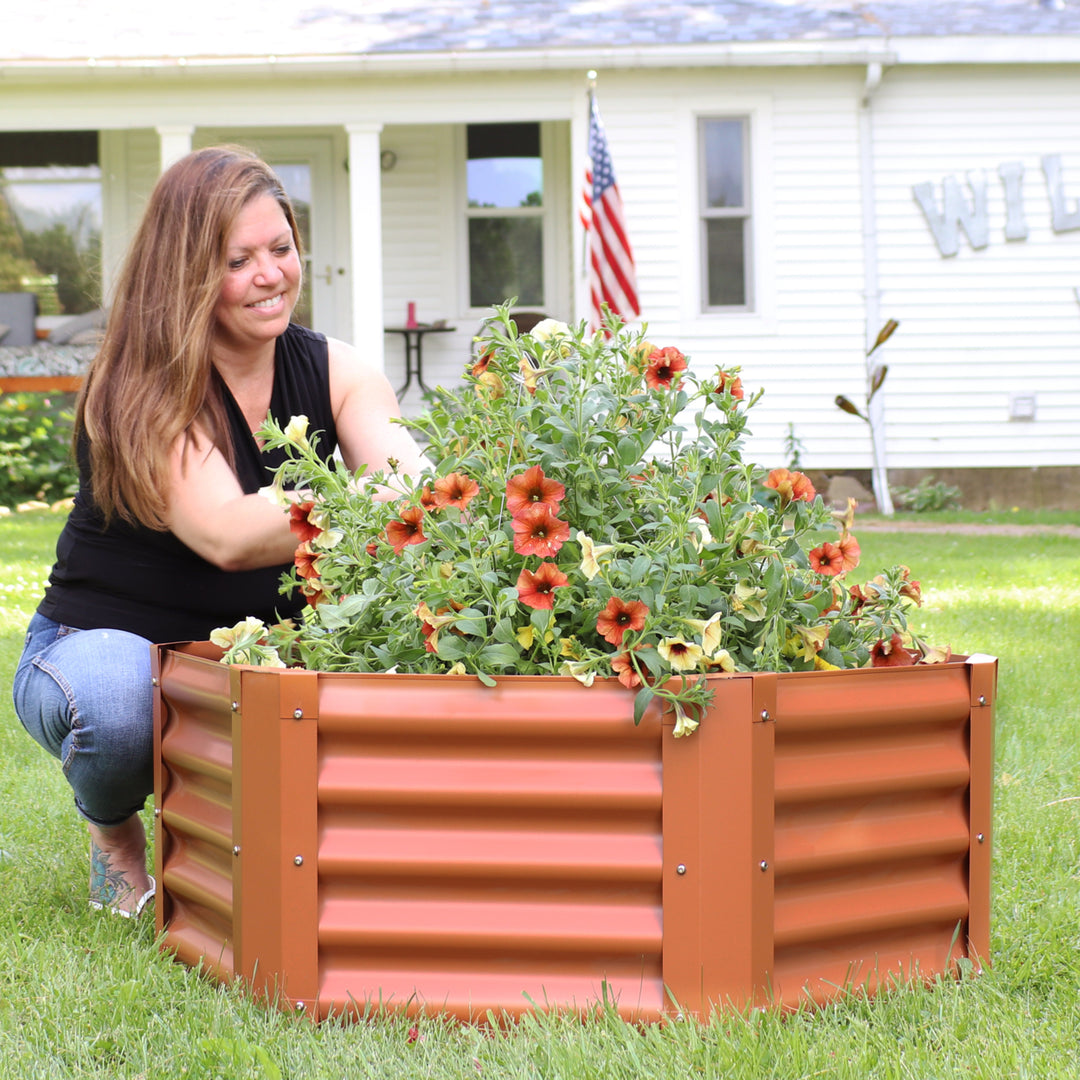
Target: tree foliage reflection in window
column 50, row 219
column 505, row 212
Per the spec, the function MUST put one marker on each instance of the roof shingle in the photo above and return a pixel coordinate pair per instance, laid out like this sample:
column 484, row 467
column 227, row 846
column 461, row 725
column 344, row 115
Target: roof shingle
column 131, row 29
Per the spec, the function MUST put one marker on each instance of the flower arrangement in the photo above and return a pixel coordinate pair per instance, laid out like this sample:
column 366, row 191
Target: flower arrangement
column 588, row 512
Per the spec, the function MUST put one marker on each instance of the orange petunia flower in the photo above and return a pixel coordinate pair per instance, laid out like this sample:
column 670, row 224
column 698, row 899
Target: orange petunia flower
column 791, row 486
column 624, row 668
column 313, row 592
column 536, row 589
column 890, row 653
column 532, row 487
column 911, row 589
column 481, row 365
column 858, row 598
column 827, row 559
column 849, row 551
column 427, row 499
column 733, row 384
column 664, row 367
column 409, row 530
column 618, row 617
column 455, row 489
column 537, row 531
column 300, row 522
column 305, row 561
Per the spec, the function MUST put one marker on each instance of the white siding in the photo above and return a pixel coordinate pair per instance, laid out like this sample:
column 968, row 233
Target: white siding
column 979, row 325
column 803, row 342
column 974, row 328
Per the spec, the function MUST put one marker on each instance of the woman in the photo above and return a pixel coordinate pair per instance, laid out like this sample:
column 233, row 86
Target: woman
column 169, row 537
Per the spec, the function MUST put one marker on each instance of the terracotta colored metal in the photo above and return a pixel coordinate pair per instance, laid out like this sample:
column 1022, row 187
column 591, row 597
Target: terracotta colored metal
column 350, row 842
column 14, row 384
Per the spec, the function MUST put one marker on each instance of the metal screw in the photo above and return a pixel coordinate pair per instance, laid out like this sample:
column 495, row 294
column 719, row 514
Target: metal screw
column 980, row 837
column 236, row 850
column 299, row 1006
column 982, row 700
column 764, row 865
column 681, row 868
column 153, row 681
column 298, row 714
column 765, row 714
column 157, row 811
column 299, row 860
column 236, row 706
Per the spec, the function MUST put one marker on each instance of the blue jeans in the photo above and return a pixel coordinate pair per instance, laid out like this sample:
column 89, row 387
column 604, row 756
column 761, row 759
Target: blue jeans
column 85, row 695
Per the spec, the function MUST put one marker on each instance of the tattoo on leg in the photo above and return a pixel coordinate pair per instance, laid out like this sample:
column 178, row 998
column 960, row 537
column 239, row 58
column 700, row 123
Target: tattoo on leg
column 107, row 885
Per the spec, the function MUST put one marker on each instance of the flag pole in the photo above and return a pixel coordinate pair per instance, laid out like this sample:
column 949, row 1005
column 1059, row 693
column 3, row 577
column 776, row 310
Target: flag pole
column 590, row 93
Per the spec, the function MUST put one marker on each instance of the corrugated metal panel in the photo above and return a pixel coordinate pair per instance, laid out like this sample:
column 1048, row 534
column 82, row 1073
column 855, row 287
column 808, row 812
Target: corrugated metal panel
column 464, row 867
column 872, row 832
column 422, row 842
column 193, row 850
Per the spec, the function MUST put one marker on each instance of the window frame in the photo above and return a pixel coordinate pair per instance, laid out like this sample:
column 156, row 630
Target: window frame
column 550, row 164
column 745, row 213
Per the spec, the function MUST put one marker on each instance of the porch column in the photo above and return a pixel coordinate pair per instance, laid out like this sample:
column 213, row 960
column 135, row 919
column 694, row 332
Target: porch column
column 365, row 221
column 175, row 140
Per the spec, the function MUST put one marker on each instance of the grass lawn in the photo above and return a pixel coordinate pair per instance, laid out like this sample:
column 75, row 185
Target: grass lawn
column 84, row 995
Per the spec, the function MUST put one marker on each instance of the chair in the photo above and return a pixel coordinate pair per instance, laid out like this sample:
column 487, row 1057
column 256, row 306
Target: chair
column 526, row 320
column 17, row 312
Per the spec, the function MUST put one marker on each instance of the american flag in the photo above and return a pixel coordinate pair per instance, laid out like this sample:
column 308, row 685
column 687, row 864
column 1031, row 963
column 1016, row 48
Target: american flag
column 609, row 260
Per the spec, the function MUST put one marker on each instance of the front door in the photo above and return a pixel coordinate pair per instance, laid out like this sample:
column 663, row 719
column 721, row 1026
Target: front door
column 305, row 166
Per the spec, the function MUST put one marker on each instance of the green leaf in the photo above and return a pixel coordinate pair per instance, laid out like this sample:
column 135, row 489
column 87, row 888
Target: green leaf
column 500, row 655
column 471, row 621
column 639, row 569
column 641, row 702
column 629, row 451
column 451, row 647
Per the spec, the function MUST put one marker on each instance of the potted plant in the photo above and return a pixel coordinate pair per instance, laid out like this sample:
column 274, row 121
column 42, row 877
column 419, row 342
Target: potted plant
column 451, row 786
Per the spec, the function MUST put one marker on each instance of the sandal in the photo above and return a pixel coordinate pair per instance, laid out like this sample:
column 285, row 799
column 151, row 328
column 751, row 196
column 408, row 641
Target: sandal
column 99, row 905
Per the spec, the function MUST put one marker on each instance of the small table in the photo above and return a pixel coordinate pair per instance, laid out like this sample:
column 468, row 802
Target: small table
column 414, row 337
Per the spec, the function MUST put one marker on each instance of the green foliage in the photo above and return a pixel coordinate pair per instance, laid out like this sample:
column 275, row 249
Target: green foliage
column 35, row 451
column 589, row 513
column 927, row 496
column 14, row 265
column 77, row 271
column 793, row 448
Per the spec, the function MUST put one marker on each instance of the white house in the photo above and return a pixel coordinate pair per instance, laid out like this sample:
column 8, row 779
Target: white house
column 794, row 173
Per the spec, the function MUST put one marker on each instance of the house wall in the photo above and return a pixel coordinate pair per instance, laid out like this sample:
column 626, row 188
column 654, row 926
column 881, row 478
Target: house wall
column 975, row 328
column 981, row 325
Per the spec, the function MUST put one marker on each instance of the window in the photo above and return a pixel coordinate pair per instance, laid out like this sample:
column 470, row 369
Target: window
column 505, row 214
column 50, row 219
column 723, row 151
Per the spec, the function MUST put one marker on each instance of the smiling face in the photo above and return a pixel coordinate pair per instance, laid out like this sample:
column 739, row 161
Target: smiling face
column 262, row 277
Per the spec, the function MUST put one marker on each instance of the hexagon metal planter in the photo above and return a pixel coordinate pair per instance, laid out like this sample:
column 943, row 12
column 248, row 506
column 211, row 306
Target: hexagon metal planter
column 348, row 842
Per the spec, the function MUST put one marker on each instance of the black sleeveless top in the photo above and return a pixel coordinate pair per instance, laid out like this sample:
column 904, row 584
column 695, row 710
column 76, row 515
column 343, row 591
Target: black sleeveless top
column 132, row 578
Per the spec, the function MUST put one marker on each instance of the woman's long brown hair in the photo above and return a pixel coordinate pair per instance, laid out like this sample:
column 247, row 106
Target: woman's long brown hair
column 152, row 379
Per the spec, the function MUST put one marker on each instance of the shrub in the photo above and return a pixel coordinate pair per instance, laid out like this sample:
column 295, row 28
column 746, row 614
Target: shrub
column 928, row 495
column 35, row 448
